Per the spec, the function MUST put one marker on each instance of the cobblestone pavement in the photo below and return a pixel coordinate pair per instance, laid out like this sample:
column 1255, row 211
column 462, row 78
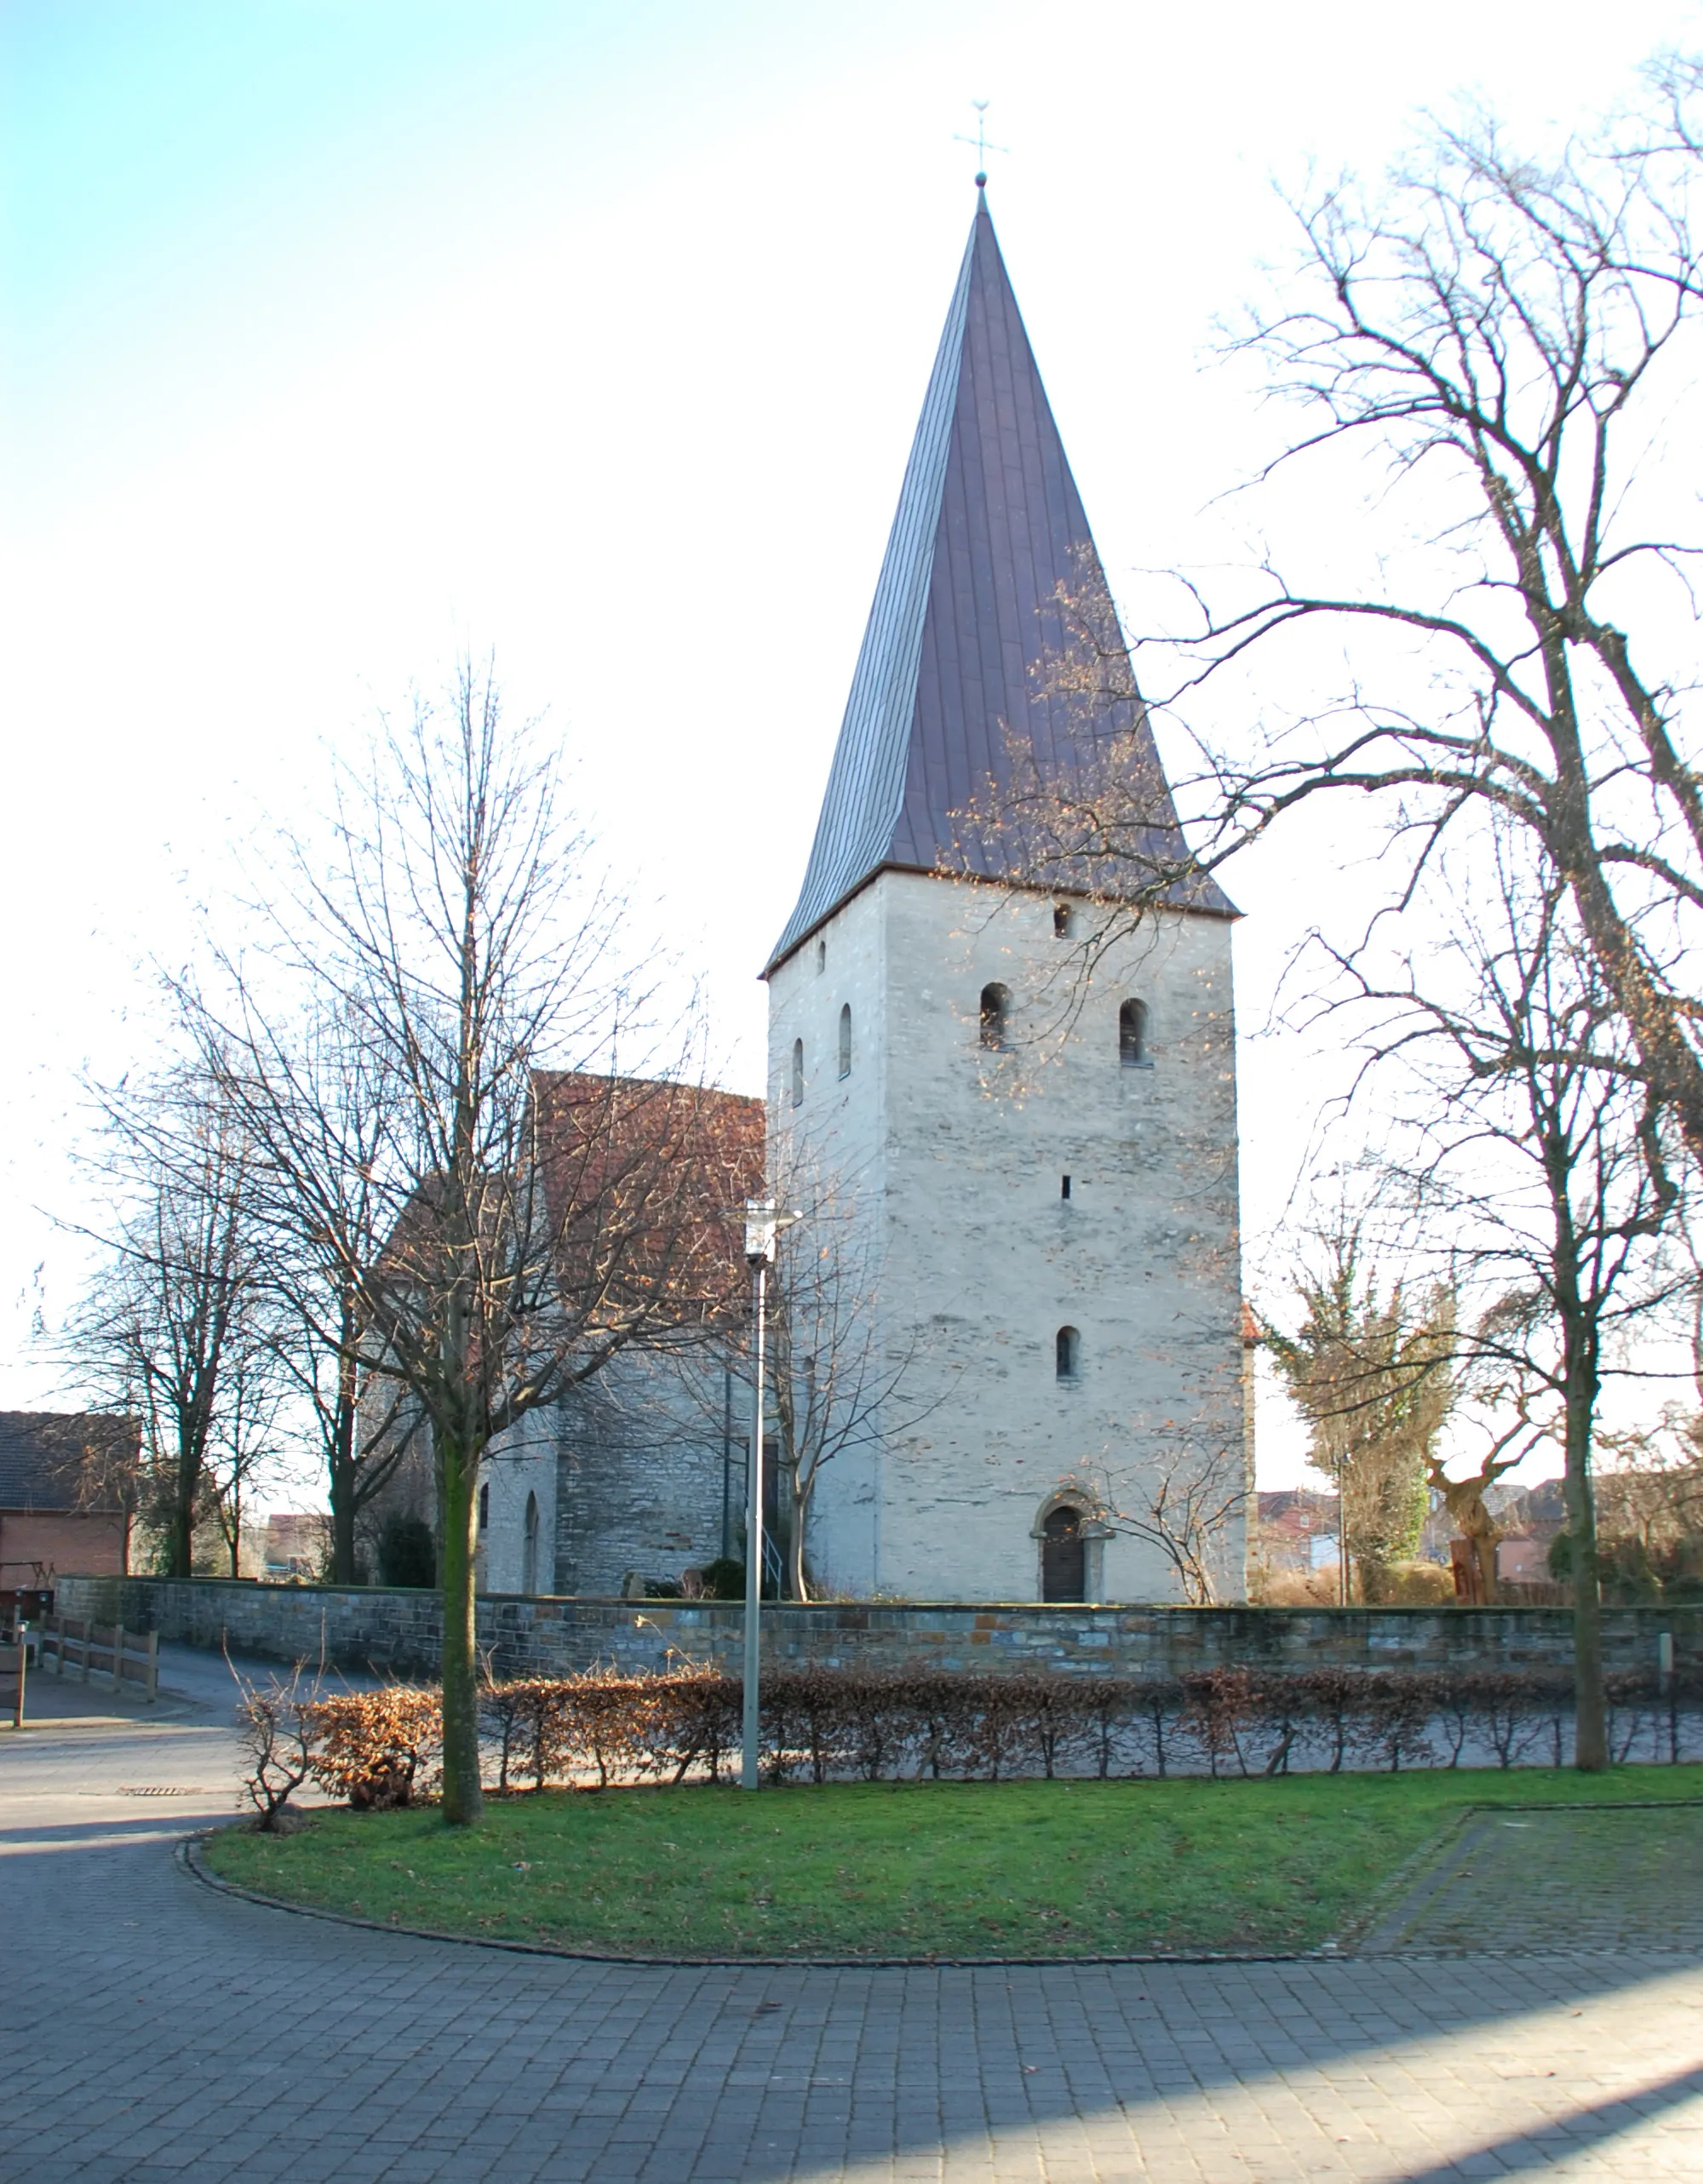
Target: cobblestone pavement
column 1631, row 1879
column 155, row 2032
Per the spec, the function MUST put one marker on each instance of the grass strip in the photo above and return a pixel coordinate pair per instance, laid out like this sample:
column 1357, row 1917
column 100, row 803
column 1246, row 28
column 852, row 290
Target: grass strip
column 906, row 1869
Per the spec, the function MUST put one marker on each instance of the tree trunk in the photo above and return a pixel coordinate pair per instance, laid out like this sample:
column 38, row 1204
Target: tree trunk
column 343, row 1469
column 1591, row 1728
column 343, row 1564
column 463, row 1795
column 795, row 1587
column 180, row 1530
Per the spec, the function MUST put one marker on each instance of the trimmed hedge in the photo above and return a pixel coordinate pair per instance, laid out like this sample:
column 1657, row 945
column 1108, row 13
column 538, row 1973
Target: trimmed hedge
column 381, row 1749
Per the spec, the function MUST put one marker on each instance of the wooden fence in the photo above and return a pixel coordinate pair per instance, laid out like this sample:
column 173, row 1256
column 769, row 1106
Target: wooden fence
column 73, row 1644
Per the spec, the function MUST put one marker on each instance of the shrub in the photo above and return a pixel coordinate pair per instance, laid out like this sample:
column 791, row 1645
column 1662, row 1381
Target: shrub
column 407, row 1552
column 377, row 1749
column 724, row 1578
column 1418, row 1585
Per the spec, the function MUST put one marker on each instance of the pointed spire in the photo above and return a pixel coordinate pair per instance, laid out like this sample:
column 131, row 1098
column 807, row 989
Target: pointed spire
column 953, row 668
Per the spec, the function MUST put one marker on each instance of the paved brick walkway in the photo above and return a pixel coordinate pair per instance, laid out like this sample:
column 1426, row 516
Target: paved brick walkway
column 1627, row 1879
column 154, row 2031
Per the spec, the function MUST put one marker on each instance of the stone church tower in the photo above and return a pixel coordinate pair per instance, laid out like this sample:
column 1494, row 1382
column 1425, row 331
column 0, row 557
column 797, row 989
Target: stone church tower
column 1040, row 1163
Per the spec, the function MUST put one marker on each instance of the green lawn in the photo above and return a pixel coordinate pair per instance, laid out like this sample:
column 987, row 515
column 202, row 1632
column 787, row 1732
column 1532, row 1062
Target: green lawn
column 1032, row 1869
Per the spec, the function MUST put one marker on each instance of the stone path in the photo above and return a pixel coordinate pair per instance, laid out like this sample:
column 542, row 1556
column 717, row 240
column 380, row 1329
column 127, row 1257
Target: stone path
column 1627, row 1879
column 154, row 2031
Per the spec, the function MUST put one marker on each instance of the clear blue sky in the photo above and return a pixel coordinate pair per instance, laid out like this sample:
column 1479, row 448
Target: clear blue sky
column 337, row 336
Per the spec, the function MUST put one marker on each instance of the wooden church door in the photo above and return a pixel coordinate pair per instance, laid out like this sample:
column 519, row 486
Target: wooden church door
column 1063, row 1557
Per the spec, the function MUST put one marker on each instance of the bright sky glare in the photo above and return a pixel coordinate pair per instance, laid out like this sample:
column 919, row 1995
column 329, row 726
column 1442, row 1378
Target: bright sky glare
column 340, row 337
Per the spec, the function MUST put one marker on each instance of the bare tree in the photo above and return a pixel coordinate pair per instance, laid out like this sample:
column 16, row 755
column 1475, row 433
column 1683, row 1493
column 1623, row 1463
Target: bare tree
column 1501, row 342
column 172, row 1328
column 1469, row 1511
column 1369, row 1371
column 538, row 1219
column 1542, row 1167
column 341, row 1100
column 248, row 1439
column 1185, row 1502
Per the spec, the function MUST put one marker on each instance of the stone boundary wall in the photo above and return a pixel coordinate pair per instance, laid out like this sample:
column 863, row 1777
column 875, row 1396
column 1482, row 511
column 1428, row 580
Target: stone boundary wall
column 398, row 1631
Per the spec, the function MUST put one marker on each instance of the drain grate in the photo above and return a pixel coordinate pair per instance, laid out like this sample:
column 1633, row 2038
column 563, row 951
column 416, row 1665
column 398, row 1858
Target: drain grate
column 153, row 1790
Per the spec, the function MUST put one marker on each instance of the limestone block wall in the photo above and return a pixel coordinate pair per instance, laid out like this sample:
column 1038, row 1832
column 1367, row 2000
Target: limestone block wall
column 398, row 1632
column 647, row 1457
column 959, row 1158
column 519, row 1469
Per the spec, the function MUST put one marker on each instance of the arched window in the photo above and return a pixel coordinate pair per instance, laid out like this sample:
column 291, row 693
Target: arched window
column 1133, row 1036
column 1067, row 1353
column 1063, row 1557
column 995, row 1016
column 1061, row 921
column 846, row 1041
column 528, row 1550
column 821, row 957
column 798, row 1072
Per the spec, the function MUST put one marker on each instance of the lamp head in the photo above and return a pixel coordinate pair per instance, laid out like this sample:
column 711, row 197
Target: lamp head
column 764, row 1221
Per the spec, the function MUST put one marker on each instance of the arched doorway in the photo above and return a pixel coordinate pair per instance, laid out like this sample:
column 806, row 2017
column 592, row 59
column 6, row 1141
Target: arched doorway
column 529, row 1555
column 1063, row 1557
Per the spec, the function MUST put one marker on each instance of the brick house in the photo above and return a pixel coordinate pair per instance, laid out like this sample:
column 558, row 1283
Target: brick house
column 67, row 1489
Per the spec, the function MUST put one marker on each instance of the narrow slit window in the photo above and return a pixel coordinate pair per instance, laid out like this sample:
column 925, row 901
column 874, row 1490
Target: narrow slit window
column 1068, row 1353
column 1064, row 1186
column 529, row 1548
column 798, row 1072
column 995, row 1017
column 484, row 1507
column 1133, row 1036
column 846, row 1041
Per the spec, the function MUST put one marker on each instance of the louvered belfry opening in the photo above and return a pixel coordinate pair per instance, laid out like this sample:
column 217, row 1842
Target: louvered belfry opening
column 1063, row 1557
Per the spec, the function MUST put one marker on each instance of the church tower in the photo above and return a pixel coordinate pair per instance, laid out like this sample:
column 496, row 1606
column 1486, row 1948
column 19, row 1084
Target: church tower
column 1031, row 1137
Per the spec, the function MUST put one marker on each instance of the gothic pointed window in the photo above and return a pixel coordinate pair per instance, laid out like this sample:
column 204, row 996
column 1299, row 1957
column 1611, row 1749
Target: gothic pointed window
column 1133, row 1036
column 1067, row 1351
column 528, row 1550
column 995, row 1017
column 846, row 1041
column 798, row 1072
column 1063, row 1557
column 821, row 957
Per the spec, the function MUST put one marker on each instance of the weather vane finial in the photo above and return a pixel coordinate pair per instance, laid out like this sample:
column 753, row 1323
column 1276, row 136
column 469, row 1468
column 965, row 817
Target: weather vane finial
column 980, row 140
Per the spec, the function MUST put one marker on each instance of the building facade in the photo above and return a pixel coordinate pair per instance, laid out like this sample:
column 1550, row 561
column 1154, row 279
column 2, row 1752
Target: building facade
column 67, row 1491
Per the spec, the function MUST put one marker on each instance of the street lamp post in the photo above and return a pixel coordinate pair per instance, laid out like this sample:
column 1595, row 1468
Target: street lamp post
column 764, row 1221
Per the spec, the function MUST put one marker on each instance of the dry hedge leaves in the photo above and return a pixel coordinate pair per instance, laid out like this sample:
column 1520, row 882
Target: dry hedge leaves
column 381, row 1749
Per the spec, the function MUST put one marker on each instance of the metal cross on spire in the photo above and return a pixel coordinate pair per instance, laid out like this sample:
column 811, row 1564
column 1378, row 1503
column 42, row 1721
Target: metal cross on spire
column 980, row 140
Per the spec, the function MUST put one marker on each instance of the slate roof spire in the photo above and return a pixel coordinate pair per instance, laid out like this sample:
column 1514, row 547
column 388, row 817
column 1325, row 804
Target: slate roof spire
column 952, row 666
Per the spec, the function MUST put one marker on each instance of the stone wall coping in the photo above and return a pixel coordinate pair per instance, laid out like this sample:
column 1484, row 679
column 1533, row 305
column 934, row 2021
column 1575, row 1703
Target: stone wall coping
column 833, row 1610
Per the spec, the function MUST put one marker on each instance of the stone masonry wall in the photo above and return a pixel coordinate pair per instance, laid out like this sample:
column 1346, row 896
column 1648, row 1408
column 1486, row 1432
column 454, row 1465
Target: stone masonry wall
column 951, row 1161
column 398, row 1632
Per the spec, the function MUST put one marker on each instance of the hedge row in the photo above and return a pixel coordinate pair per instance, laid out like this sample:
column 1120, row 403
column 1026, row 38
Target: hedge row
column 382, row 1748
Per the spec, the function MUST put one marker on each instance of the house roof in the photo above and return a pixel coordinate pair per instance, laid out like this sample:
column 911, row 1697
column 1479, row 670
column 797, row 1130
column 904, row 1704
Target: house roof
column 958, row 681
column 67, row 1461
column 645, row 1176
column 632, row 1197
